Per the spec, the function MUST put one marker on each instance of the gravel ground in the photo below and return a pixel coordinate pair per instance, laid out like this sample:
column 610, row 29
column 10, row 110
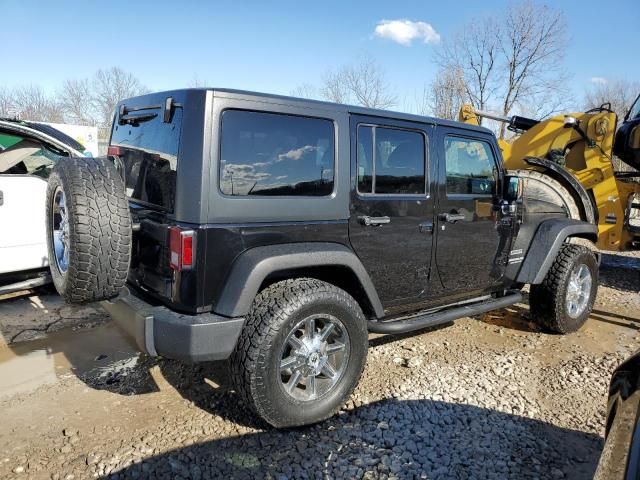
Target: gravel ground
column 490, row 397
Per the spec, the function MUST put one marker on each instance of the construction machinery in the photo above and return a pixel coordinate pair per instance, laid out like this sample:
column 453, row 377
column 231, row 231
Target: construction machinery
column 566, row 162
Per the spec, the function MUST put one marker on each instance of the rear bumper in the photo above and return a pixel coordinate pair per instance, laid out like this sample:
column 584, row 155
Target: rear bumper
column 158, row 330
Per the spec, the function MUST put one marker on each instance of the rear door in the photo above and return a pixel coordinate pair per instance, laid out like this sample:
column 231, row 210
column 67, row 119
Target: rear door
column 147, row 146
column 472, row 243
column 391, row 220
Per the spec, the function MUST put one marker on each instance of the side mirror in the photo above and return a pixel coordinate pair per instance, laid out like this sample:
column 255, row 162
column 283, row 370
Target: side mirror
column 514, row 188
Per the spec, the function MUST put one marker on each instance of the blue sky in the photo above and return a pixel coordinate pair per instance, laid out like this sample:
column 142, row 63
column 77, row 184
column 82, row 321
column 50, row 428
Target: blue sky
column 275, row 46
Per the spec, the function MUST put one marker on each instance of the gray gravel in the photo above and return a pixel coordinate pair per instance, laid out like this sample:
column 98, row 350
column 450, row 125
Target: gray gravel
column 491, row 397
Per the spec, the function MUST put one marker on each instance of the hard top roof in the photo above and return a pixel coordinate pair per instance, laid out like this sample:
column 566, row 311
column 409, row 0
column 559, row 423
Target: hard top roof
column 374, row 112
column 321, row 105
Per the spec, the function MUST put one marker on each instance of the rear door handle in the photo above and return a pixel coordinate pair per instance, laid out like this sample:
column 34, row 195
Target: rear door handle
column 1, row 198
column 451, row 217
column 373, row 221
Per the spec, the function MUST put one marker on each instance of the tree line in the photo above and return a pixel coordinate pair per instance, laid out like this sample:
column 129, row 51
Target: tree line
column 85, row 101
column 512, row 62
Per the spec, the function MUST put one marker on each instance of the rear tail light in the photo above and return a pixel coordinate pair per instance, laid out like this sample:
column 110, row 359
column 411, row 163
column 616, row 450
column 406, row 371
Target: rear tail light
column 114, row 151
column 182, row 248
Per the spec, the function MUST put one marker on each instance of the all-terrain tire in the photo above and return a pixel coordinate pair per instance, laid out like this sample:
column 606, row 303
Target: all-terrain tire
column 255, row 362
column 99, row 229
column 548, row 301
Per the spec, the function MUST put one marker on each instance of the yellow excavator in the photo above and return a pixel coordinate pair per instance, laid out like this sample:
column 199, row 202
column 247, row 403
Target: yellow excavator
column 566, row 163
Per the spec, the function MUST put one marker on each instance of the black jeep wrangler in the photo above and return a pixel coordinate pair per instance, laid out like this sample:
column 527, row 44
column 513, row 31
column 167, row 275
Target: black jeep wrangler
column 278, row 232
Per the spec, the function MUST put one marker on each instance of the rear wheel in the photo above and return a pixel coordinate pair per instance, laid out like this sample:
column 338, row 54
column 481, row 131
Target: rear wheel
column 301, row 352
column 88, row 229
column 564, row 300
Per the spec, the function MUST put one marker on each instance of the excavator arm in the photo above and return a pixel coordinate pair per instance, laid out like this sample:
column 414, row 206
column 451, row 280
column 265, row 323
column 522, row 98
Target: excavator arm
column 575, row 150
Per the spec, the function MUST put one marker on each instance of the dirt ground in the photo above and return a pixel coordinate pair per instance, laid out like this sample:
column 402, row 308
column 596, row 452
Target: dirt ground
column 486, row 397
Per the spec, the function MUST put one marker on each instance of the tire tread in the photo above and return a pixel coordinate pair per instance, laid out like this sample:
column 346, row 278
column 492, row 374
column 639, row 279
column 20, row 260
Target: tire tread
column 100, row 237
column 269, row 310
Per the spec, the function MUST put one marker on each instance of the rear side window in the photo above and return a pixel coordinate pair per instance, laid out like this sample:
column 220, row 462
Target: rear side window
column 276, row 155
column 150, row 158
column 390, row 161
column 471, row 167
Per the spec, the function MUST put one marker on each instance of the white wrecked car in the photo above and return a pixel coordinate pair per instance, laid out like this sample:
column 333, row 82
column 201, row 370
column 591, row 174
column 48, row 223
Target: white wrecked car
column 28, row 152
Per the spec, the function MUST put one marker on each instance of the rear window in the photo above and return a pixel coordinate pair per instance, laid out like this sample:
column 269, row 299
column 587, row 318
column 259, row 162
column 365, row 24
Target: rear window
column 276, row 155
column 150, row 158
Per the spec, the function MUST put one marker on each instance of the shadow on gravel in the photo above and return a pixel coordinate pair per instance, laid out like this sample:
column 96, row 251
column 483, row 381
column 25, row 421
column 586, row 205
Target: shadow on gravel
column 405, row 438
column 620, row 272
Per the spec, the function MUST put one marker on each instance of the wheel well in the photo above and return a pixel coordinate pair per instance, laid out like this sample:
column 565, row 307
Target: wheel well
column 338, row 275
column 588, row 213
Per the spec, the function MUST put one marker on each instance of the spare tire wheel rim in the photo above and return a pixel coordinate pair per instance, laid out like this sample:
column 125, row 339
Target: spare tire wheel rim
column 60, row 225
column 314, row 357
column 578, row 290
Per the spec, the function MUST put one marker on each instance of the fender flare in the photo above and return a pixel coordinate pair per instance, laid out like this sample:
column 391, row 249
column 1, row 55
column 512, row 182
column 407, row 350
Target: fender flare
column 569, row 181
column 546, row 243
column 253, row 266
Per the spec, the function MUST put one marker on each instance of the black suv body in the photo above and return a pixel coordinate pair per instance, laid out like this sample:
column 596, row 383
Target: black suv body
column 233, row 194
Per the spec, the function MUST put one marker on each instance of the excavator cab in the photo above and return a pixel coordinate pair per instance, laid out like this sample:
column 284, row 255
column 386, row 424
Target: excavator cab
column 627, row 142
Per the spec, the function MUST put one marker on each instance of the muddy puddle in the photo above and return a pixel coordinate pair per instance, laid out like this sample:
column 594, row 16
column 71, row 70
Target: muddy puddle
column 26, row 366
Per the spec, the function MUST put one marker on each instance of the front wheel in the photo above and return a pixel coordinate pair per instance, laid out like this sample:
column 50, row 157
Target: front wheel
column 301, row 352
column 564, row 300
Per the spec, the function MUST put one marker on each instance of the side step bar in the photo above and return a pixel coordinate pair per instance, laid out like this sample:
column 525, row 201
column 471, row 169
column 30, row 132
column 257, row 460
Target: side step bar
column 419, row 322
column 25, row 284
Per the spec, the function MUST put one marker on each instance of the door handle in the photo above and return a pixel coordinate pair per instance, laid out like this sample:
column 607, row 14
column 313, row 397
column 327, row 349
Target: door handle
column 373, row 221
column 451, row 217
column 1, row 198
column 425, row 227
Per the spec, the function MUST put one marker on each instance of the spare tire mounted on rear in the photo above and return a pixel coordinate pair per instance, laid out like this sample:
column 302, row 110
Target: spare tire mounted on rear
column 88, row 229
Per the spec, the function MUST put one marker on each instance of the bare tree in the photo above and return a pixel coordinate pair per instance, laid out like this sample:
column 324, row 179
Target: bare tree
column 91, row 101
column 421, row 103
column 305, row 90
column 7, row 108
column 32, row 103
column 619, row 93
column 532, row 49
column 474, row 52
column 197, row 82
column 109, row 87
column 447, row 93
column 362, row 83
column 76, row 100
column 366, row 81
column 335, row 87
column 512, row 61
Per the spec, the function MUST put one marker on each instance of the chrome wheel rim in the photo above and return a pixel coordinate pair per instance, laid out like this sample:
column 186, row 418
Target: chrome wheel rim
column 60, row 224
column 578, row 290
column 314, row 357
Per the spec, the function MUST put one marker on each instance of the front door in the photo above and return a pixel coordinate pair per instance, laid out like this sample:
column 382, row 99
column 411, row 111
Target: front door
column 472, row 241
column 391, row 222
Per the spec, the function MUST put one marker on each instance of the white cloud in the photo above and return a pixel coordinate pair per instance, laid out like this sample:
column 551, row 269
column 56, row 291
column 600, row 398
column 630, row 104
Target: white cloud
column 599, row 80
column 405, row 31
column 296, row 154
